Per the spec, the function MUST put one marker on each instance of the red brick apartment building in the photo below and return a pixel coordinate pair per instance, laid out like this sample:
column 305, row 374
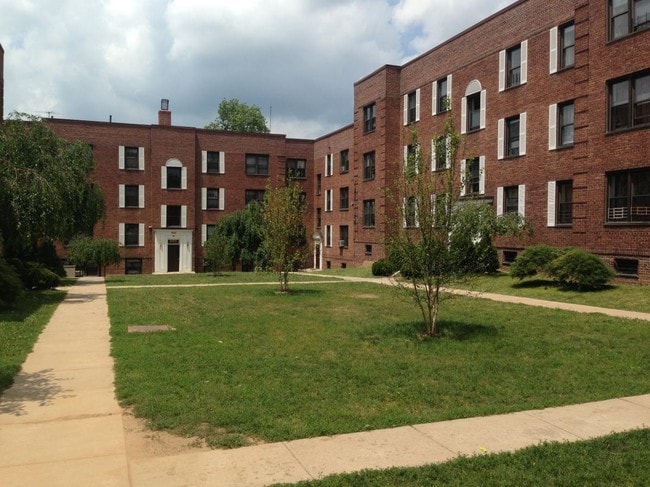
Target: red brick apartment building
column 552, row 98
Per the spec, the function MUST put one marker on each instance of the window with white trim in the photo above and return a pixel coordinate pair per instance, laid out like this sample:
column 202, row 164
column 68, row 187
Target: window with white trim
column 173, row 216
column 440, row 153
column 412, row 107
column 329, row 197
column 411, row 159
column 328, row 235
column 213, row 198
column 513, row 66
column 559, row 209
column 173, row 175
column 206, row 231
column 131, row 234
column 562, row 42
column 472, row 173
column 131, row 196
column 511, row 134
column 473, row 108
column 410, row 212
column 441, row 95
column 329, row 165
column 213, row 162
column 560, row 125
column 131, row 158
column 511, row 199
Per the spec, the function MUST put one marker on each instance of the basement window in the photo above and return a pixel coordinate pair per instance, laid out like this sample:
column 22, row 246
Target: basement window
column 627, row 267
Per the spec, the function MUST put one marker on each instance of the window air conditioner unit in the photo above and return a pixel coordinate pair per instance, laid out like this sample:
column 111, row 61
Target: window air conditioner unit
column 341, row 243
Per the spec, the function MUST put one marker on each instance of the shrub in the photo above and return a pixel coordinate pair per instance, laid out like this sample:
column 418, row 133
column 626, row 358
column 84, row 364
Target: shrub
column 11, row 287
column 534, row 260
column 35, row 275
column 383, row 267
column 580, row 269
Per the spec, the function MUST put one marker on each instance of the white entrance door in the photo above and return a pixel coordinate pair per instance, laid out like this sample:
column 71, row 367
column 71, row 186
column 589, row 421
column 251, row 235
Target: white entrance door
column 173, row 251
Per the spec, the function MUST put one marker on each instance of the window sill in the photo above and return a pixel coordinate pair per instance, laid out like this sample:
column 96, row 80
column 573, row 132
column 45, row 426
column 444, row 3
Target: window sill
column 368, row 227
column 344, row 209
column 628, row 129
column 442, row 112
column 369, row 179
column 368, row 132
column 565, row 68
column 344, row 171
column 174, row 189
column 627, row 224
column 473, row 131
column 133, row 169
column 562, row 225
column 258, row 175
column 627, row 36
column 563, row 147
column 512, row 87
column 506, row 158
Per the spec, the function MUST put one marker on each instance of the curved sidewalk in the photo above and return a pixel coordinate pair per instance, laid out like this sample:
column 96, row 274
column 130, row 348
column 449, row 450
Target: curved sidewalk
column 60, row 424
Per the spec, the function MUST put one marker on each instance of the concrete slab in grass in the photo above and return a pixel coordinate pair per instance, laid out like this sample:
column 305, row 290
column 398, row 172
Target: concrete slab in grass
column 149, row 328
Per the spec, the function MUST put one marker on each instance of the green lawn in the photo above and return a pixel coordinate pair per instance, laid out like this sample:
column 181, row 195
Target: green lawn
column 620, row 459
column 208, row 278
column 19, row 329
column 624, row 296
column 245, row 363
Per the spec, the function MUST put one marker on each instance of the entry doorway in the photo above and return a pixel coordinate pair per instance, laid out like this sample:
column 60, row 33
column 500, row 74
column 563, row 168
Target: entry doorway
column 173, row 256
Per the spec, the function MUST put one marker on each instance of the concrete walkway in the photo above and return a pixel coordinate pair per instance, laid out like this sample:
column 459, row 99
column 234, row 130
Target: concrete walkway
column 60, row 424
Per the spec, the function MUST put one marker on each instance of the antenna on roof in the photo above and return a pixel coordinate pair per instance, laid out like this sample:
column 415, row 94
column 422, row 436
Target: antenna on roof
column 49, row 113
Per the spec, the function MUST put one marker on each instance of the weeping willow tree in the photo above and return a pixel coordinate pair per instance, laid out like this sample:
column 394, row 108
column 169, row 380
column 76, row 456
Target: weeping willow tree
column 45, row 188
column 436, row 229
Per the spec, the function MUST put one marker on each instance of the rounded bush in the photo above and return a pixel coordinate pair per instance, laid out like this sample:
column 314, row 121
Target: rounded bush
column 35, row 275
column 580, row 269
column 11, row 286
column 383, row 267
column 534, row 260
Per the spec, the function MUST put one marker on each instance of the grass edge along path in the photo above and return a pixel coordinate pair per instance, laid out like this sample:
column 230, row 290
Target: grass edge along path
column 618, row 459
column 20, row 327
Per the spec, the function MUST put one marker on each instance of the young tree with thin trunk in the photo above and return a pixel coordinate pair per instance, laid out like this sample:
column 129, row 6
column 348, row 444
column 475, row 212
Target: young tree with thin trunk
column 284, row 239
column 428, row 238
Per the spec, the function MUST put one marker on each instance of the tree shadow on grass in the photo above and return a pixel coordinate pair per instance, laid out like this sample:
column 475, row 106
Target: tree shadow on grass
column 414, row 331
column 535, row 283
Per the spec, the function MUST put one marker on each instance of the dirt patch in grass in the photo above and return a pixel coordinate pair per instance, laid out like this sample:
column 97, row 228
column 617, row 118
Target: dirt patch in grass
column 365, row 296
column 142, row 442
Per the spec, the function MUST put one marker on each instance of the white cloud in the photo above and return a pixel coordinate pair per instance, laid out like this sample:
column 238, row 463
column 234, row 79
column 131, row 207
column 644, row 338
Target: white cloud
column 96, row 58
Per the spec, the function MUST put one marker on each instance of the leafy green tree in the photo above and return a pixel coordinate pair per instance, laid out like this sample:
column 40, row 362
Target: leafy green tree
column 284, row 239
column 239, row 237
column 236, row 116
column 433, row 228
column 84, row 251
column 45, row 191
column 217, row 251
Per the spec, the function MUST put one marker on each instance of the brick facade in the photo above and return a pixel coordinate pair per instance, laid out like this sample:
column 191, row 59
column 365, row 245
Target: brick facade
column 569, row 187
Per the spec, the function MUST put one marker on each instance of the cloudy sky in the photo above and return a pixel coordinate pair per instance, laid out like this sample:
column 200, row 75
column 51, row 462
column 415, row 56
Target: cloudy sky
column 295, row 59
